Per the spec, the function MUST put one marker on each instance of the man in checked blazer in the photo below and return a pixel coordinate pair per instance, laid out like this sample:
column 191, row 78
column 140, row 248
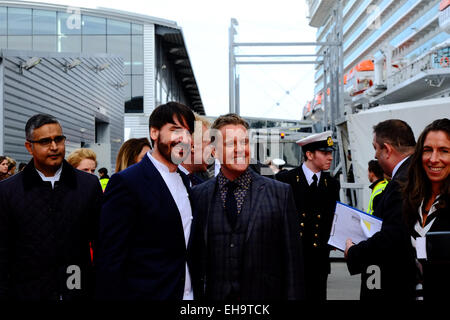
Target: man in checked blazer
column 245, row 236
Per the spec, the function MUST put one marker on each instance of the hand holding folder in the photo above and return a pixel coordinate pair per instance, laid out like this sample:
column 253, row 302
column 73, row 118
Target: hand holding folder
column 352, row 223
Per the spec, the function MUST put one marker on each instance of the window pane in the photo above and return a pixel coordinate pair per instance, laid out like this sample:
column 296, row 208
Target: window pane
column 137, row 57
column 44, row 43
column 137, row 86
column 121, row 45
column 136, row 104
column 127, row 88
column 93, row 25
column 137, row 28
column 69, row 23
column 94, row 44
column 44, row 22
column 19, row 21
column 19, row 42
column 118, row 27
column 3, row 42
column 3, row 20
column 69, row 43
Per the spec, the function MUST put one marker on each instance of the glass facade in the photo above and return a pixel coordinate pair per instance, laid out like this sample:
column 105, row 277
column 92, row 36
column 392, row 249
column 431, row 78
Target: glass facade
column 46, row 30
column 168, row 87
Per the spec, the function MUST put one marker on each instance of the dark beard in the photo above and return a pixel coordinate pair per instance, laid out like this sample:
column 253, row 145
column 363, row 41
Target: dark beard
column 166, row 151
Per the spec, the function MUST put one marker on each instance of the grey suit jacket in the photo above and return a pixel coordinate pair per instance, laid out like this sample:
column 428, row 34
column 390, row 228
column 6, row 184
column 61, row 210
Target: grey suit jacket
column 272, row 266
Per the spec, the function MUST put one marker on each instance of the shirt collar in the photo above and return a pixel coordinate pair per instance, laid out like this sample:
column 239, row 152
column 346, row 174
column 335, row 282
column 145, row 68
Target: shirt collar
column 55, row 177
column 243, row 181
column 374, row 184
column 52, row 179
column 161, row 167
column 309, row 174
column 183, row 169
column 398, row 166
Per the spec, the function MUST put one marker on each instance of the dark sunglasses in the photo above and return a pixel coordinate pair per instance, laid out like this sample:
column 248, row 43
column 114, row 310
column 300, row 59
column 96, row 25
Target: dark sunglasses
column 45, row 142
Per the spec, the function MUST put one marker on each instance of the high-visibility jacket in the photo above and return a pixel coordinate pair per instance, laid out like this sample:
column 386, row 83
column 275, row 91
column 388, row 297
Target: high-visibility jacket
column 377, row 189
column 104, row 182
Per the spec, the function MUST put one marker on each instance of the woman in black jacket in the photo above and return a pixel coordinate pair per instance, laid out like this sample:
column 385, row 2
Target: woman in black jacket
column 427, row 206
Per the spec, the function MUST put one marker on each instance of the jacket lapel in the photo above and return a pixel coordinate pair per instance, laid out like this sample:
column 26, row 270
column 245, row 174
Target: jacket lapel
column 256, row 197
column 158, row 187
column 209, row 205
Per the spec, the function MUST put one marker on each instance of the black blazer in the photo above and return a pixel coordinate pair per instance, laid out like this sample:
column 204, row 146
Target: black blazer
column 142, row 252
column 436, row 278
column 272, row 266
column 390, row 249
column 43, row 231
column 315, row 217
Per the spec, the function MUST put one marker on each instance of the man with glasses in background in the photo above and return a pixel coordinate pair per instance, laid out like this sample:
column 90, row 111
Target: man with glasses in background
column 48, row 216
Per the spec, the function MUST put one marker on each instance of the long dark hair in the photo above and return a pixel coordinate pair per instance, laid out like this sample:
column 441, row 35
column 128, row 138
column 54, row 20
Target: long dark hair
column 418, row 186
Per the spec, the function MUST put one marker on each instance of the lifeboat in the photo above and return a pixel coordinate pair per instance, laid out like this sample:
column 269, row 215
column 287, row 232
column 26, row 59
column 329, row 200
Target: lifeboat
column 359, row 78
column 318, row 102
column 307, row 109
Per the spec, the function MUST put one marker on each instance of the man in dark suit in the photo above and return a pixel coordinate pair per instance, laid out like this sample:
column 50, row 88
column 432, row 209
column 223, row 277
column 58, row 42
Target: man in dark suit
column 48, row 217
column 146, row 218
column 246, row 244
column 388, row 251
column 315, row 193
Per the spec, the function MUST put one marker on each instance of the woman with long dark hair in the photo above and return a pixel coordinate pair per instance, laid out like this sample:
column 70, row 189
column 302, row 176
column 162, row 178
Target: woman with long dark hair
column 427, row 196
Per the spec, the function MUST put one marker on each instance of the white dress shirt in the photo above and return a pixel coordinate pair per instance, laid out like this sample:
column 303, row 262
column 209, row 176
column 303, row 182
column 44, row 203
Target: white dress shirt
column 51, row 179
column 180, row 195
column 185, row 171
column 309, row 174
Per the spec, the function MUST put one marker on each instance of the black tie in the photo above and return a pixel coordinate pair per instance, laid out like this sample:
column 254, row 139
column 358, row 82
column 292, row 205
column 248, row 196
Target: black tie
column 231, row 204
column 314, row 183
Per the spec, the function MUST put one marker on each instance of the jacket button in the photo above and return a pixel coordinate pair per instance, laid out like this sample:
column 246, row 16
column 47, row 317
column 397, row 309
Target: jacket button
column 316, row 235
column 301, row 234
column 304, row 214
column 318, row 216
column 232, row 245
column 302, row 224
column 315, row 245
column 317, row 225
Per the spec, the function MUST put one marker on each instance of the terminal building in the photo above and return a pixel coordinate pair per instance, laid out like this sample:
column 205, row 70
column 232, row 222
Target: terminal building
column 155, row 68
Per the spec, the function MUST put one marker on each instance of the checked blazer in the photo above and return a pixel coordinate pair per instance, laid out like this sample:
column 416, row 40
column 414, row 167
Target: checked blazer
column 272, row 259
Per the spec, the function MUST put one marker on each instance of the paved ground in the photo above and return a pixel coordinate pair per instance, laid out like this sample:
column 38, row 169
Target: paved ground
column 341, row 285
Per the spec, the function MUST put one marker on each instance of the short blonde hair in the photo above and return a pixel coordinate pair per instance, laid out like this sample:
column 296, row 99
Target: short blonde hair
column 204, row 121
column 78, row 155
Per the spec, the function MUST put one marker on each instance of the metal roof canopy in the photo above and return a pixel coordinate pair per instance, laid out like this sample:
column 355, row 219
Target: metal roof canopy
column 176, row 50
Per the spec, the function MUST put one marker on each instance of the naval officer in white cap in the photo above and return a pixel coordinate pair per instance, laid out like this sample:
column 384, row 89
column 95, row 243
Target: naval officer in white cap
column 315, row 193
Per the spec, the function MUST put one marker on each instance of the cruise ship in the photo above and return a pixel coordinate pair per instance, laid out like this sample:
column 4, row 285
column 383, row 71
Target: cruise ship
column 378, row 59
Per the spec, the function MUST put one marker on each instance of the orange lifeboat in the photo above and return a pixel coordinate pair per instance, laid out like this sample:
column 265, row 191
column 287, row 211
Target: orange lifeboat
column 359, row 78
column 307, row 109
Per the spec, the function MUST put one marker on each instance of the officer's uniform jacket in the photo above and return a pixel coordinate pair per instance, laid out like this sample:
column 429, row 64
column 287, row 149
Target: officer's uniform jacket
column 315, row 214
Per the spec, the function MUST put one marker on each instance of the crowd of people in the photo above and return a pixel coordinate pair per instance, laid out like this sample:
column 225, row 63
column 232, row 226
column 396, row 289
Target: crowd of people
column 186, row 216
